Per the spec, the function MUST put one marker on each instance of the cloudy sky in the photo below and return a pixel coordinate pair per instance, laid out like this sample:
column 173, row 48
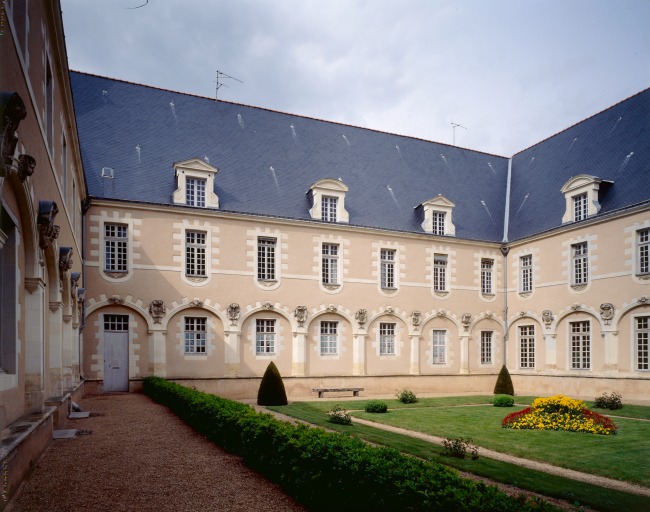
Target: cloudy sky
column 510, row 72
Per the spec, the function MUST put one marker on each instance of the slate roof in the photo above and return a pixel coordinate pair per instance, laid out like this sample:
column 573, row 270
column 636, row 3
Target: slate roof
column 140, row 131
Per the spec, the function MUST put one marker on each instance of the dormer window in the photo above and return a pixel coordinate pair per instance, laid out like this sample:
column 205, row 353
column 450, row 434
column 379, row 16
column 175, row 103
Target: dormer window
column 328, row 200
column 195, row 184
column 581, row 197
column 328, row 208
column 438, row 216
column 195, row 192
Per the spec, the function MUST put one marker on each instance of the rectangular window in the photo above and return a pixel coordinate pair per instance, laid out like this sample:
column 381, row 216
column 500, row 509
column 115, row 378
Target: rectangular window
column 439, row 347
column 642, row 340
column 195, row 330
column 527, row 346
column 387, row 268
column 8, row 293
column 438, row 223
column 195, row 192
column 64, row 167
column 116, row 323
column 328, row 338
column 265, row 336
column 580, row 345
column 580, row 263
column 526, row 266
column 330, row 262
column 580, row 207
column 440, row 272
column 115, row 248
column 266, row 259
column 487, row 267
column 486, row 347
column 49, row 106
column 195, row 250
column 328, row 207
column 386, row 339
column 643, row 251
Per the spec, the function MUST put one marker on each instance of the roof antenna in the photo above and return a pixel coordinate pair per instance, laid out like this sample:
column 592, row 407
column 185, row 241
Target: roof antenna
column 453, row 130
column 220, row 84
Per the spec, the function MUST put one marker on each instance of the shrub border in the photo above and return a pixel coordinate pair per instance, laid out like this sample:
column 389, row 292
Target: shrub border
column 322, row 469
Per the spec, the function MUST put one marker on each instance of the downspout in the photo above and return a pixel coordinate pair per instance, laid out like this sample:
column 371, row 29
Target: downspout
column 504, row 251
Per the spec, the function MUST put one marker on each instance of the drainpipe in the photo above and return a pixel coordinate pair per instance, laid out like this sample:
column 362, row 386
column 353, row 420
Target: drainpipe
column 504, row 251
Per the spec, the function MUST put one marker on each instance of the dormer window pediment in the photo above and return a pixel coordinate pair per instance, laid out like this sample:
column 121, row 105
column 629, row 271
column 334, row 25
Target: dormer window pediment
column 328, row 201
column 438, row 216
column 195, row 183
column 581, row 197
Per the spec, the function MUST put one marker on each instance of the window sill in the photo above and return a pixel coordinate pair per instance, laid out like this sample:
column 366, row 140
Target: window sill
column 265, row 353
column 643, row 276
column 525, row 294
column 488, row 295
column 441, row 293
column 330, row 286
column 579, row 287
column 196, row 279
column 115, row 275
column 267, row 282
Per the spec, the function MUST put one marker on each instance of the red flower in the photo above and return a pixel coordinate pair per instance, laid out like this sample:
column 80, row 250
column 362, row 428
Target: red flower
column 515, row 416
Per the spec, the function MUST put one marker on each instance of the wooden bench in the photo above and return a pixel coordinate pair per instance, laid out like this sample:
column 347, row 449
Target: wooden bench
column 355, row 391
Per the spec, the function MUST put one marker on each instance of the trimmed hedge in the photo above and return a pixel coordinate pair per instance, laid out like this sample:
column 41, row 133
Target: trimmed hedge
column 324, row 469
column 504, row 385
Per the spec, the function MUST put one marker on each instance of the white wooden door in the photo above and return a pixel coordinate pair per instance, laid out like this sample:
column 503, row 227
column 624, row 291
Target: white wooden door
column 116, row 353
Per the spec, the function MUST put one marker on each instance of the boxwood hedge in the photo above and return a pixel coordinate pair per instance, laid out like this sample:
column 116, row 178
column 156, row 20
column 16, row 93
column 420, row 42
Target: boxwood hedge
column 325, row 470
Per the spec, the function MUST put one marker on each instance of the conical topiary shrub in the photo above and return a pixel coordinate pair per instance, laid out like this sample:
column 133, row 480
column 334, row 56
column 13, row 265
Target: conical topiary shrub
column 271, row 390
column 504, row 383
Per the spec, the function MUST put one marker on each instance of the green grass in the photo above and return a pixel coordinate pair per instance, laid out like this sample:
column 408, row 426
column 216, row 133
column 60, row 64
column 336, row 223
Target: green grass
column 451, row 421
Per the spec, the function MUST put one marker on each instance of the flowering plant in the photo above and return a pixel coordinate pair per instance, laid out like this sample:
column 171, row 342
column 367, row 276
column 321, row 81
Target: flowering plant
column 559, row 413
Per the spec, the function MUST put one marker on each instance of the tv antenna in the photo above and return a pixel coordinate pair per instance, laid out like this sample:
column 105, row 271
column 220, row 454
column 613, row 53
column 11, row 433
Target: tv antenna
column 220, row 84
column 453, row 130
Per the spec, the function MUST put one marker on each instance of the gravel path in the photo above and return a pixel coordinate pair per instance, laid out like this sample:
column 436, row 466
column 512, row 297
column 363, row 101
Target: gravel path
column 142, row 457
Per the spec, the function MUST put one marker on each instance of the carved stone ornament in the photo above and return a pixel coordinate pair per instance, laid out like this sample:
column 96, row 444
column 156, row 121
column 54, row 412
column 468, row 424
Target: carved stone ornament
column 643, row 299
column 607, row 312
column 522, row 313
column 301, row 315
column 26, row 166
column 12, row 112
column 47, row 230
column 505, row 249
column 416, row 318
column 575, row 307
column 74, row 280
column 489, row 314
column 157, row 310
column 331, row 308
column 233, row 313
column 547, row 317
column 442, row 312
column 390, row 310
column 116, row 300
column 466, row 319
column 196, row 303
column 65, row 260
column 361, row 316
column 267, row 305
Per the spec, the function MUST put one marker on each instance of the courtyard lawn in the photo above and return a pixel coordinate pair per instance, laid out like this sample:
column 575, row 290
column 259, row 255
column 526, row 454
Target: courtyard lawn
column 624, row 456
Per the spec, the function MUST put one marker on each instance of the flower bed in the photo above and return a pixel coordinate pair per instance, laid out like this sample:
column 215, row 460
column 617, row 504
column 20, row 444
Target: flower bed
column 560, row 413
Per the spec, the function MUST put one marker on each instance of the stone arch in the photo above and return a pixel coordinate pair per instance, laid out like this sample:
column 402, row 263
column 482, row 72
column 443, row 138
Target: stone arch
column 344, row 313
column 486, row 316
column 442, row 313
column 388, row 311
column 283, row 311
column 178, row 308
column 623, row 312
column 566, row 312
column 23, row 193
column 116, row 300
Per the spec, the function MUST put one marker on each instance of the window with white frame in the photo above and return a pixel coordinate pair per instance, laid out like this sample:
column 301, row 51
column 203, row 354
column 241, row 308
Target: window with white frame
column 643, row 251
column 387, row 263
column 116, row 323
column 266, row 258
column 330, row 264
column 527, row 346
column 115, row 247
column 486, row 347
column 386, row 339
column 328, row 338
column 438, row 219
column 264, row 336
column 642, row 335
column 329, row 206
column 49, row 105
column 580, row 207
column 580, row 263
column 580, row 345
column 439, row 347
column 526, row 274
column 440, row 272
column 195, row 192
column 487, row 269
column 195, row 251
column 195, row 334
